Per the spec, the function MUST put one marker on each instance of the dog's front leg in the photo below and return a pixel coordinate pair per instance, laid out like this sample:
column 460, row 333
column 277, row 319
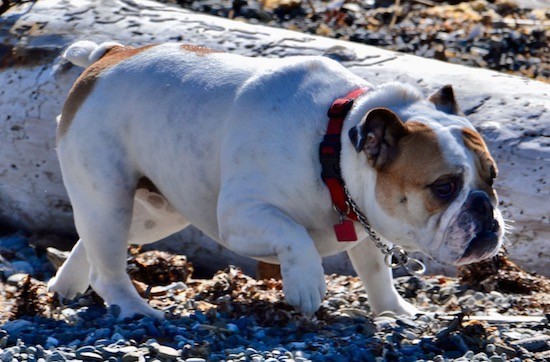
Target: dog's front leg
column 259, row 230
column 368, row 262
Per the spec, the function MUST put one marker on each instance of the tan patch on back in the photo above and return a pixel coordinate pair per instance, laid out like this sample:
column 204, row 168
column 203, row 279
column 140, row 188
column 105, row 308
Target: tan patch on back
column 486, row 166
column 199, row 50
column 418, row 163
column 85, row 83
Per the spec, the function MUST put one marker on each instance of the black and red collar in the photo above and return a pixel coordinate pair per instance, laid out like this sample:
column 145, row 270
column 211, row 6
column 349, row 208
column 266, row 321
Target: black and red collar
column 329, row 155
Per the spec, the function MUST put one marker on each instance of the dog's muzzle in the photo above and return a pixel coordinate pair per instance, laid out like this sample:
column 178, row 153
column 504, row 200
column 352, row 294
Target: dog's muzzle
column 478, row 214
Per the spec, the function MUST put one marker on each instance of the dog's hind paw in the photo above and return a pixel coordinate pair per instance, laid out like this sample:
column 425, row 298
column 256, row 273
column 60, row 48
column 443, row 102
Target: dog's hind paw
column 66, row 288
column 142, row 309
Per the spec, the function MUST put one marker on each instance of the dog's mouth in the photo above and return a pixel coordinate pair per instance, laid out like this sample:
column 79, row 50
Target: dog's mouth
column 482, row 246
column 474, row 232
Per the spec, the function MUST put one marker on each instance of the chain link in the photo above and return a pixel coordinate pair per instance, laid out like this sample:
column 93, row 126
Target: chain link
column 393, row 257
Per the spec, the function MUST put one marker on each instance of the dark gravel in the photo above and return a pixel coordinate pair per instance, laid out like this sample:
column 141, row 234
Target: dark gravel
column 496, row 34
column 233, row 317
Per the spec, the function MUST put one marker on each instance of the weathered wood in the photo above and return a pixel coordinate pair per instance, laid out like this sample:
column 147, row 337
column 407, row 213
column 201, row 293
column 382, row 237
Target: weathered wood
column 512, row 113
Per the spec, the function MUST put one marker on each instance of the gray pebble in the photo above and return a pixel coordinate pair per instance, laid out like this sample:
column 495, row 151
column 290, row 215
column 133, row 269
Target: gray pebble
column 86, row 349
column 128, row 349
column 535, row 344
column 500, row 349
column 109, row 351
column 22, row 266
column 90, row 356
column 133, row 356
column 479, row 296
column 165, row 351
column 16, row 278
column 340, row 53
column 56, row 356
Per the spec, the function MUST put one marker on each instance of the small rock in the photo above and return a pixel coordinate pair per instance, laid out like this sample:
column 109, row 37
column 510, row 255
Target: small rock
column 17, row 326
column 534, row 344
column 133, row 356
column 22, row 267
column 56, row 356
column 128, row 349
column 86, row 349
column 16, row 278
column 52, row 342
column 502, row 349
column 90, row 356
column 165, row 351
column 340, row 53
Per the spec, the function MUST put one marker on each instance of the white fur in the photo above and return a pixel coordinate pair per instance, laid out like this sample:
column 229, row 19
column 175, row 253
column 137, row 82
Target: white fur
column 84, row 53
column 232, row 143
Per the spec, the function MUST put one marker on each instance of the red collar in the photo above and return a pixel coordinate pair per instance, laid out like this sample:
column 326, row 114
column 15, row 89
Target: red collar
column 329, row 154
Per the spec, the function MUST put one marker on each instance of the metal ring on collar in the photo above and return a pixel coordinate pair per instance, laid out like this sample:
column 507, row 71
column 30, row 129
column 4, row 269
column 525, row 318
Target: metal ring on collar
column 412, row 265
column 415, row 266
column 340, row 212
column 400, row 256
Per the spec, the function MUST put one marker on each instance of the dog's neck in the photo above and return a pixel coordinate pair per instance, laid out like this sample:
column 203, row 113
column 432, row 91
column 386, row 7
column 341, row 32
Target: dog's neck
column 361, row 183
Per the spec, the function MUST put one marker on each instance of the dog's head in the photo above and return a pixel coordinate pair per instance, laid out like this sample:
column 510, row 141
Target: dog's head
column 434, row 180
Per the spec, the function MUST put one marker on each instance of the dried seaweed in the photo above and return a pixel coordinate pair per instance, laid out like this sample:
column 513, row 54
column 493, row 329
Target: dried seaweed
column 502, row 275
column 159, row 268
column 26, row 299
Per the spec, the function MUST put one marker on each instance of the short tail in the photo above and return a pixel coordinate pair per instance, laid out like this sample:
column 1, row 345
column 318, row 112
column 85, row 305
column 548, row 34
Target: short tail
column 84, row 53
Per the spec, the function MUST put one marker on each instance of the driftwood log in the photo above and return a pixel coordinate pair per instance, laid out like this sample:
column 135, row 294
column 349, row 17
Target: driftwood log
column 512, row 113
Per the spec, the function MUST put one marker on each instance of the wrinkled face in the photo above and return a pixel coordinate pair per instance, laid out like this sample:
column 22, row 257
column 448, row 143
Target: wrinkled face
column 433, row 185
column 440, row 185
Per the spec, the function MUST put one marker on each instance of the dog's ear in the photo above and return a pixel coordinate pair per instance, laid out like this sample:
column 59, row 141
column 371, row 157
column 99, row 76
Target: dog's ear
column 377, row 135
column 444, row 100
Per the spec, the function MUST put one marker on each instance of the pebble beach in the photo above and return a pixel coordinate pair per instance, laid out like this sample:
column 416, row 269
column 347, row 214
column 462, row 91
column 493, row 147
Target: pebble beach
column 234, row 317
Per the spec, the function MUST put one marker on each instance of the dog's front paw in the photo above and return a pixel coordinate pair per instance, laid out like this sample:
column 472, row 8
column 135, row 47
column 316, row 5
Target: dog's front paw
column 304, row 287
column 401, row 308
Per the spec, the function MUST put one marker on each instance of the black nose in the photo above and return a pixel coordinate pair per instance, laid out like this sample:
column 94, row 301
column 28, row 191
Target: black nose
column 480, row 206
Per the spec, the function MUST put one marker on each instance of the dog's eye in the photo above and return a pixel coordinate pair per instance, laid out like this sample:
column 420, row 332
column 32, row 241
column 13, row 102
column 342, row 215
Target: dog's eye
column 445, row 188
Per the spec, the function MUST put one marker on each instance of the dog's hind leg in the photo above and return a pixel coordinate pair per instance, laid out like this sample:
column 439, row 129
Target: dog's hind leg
column 74, row 275
column 153, row 218
column 104, row 234
column 101, row 190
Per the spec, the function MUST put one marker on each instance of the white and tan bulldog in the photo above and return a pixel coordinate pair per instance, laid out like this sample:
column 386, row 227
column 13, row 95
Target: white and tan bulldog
column 157, row 138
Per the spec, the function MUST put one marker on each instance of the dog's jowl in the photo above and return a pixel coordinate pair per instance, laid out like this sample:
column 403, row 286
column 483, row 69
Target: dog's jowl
column 154, row 139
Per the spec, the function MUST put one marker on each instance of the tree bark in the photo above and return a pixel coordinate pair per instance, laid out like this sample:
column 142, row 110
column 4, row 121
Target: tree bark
column 512, row 113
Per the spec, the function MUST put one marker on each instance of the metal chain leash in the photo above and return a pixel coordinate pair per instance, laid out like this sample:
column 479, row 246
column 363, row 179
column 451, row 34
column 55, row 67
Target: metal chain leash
column 395, row 256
